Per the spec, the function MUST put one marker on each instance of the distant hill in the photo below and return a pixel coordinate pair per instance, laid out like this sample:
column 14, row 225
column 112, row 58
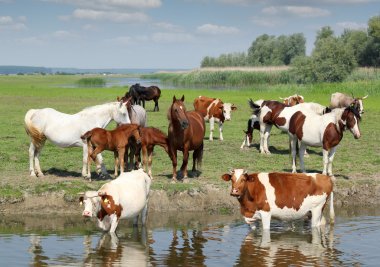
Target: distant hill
column 6, row 70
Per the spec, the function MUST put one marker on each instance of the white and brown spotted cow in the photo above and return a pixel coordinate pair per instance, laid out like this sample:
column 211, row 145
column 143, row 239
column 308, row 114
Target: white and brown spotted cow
column 213, row 109
column 339, row 100
column 122, row 198
column 284, row 196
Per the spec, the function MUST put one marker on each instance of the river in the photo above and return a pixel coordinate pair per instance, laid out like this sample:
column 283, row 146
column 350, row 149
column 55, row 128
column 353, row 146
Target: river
column 190, row 239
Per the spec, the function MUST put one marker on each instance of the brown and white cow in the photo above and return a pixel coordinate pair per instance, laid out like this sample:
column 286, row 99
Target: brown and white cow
column 292, row 100
column 284, row 196
column 213, row 109
column 339, row 100
column 125, row 197
column 272, row 112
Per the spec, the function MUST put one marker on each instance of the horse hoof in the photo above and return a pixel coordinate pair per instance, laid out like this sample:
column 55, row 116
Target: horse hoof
column 174, row 180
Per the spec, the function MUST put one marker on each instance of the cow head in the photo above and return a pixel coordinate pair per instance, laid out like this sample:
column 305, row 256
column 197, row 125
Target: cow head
column 358, row 103
column 90, row 200
column 238, row 178
column 227, row 109
column 293, row 100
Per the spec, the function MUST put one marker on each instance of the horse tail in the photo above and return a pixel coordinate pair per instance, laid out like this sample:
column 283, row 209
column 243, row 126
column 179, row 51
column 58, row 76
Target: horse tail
column 85, row 137
column 38, row 138
column 198, row 156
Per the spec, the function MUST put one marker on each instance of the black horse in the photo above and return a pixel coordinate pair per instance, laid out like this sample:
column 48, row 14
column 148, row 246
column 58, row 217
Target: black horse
column 141, row 93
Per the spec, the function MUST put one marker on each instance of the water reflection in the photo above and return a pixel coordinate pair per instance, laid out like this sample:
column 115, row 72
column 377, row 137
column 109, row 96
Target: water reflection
column 181, row 239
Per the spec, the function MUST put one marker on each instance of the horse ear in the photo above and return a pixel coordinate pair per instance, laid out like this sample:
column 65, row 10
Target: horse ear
column 174, row 99
column 183, row 98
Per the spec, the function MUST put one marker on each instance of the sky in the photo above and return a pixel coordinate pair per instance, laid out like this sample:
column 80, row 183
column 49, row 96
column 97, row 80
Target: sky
column 161, row 34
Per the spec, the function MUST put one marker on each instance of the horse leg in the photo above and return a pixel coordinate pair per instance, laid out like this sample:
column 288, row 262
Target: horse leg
column 330, row 160
column 301, row 153
column 197, row 158
column 100, row 167
column 144, row 155
column 266, row 138
column 121, row 152
column 32, row 150
column 212, row 121
column 156, row 108
column 87, row 174
column 150, row 156
column 221, row 131
column 185, row 161
column 262, row 136
column 173, row 157
column 116, row 158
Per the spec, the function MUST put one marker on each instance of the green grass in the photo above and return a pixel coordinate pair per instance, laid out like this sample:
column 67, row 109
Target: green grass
column 355, row 159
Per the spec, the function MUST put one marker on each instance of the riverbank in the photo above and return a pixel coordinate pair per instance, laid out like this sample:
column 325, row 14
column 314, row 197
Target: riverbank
column 205, row 198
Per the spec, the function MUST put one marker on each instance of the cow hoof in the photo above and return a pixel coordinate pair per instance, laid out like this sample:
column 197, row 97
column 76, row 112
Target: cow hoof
column 40, row 174
column 173, row 181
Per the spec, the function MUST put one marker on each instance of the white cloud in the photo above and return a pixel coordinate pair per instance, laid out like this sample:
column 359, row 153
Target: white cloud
column 64, row 35
column 266, row 22
column 352, row 25
column 166, row 37
column 121, row 40
column 8, row 23
column 89, row 27
column 110, row 16
column 32, row 41
column 300, row 11
column 216, row 29
column 168, row 26
column 111, row 4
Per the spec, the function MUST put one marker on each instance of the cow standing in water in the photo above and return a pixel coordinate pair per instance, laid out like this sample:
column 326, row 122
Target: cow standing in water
column 122, row 198
column 284, row 196
column 214, row 110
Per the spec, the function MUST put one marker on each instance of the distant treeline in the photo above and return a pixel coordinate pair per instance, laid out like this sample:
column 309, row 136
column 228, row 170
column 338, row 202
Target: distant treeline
column 269, row 50
column 6, row 70
column 332, row 59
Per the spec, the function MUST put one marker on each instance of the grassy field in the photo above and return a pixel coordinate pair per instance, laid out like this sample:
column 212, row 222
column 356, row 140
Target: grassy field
column 355, row 160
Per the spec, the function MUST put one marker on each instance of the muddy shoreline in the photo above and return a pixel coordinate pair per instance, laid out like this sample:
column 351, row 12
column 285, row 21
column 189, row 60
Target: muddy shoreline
column 210, row 199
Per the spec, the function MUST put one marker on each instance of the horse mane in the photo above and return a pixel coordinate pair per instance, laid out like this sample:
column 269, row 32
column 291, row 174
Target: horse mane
column 97, row 107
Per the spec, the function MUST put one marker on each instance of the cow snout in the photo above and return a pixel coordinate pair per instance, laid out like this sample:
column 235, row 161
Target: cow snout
column 87, row 213
column 235, row 192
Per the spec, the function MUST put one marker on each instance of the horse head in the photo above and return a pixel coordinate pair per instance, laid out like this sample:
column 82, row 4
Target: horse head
column 178, row 112
column 350, row 119
column 120, row 113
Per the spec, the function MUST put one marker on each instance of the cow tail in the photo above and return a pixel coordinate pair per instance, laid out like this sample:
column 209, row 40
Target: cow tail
column 37, row 137
column 332, row 213
column 256, row 108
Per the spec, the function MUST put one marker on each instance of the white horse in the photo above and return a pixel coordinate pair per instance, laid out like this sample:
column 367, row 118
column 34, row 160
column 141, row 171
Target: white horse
column 65, row 130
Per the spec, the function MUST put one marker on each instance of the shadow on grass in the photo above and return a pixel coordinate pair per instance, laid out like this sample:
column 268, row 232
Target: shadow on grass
column 94, row 175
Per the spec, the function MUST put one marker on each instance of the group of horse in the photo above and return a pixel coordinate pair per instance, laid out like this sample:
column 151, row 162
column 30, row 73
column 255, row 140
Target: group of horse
column 307, row 124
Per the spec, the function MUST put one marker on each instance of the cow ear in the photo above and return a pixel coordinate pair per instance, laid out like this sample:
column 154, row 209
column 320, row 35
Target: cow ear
column 81, row 200
column 174, row 99
column 233, row 107
column 183, row 98
column 226, row 177
column 250, row 177
column 118, row 99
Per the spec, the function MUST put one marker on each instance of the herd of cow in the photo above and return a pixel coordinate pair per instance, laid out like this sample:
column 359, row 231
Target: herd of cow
column 286, row 196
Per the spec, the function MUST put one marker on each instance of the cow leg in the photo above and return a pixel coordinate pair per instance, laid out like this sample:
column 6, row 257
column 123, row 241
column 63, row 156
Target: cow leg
column 316, row 216
column 266, row 138
column 136, row 220
column 325, row 161
column 301, row 153
column 293, row 144
column 114, row 222
column 185, row 161
column 265, row 219
column 144, row 214
column 221, row 131
column 212, row 121
column 32, row 150
column 330, row 160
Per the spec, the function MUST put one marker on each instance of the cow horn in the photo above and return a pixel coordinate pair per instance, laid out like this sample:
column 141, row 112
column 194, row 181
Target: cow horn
column 91, row 194
column 364, row 97
column 245, row 171
column 80, row 193
column 282, row 98
column 231, row 171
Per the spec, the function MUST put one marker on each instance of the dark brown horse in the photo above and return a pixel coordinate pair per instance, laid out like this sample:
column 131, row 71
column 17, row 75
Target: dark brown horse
column 141, row 93
column 185, row 133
